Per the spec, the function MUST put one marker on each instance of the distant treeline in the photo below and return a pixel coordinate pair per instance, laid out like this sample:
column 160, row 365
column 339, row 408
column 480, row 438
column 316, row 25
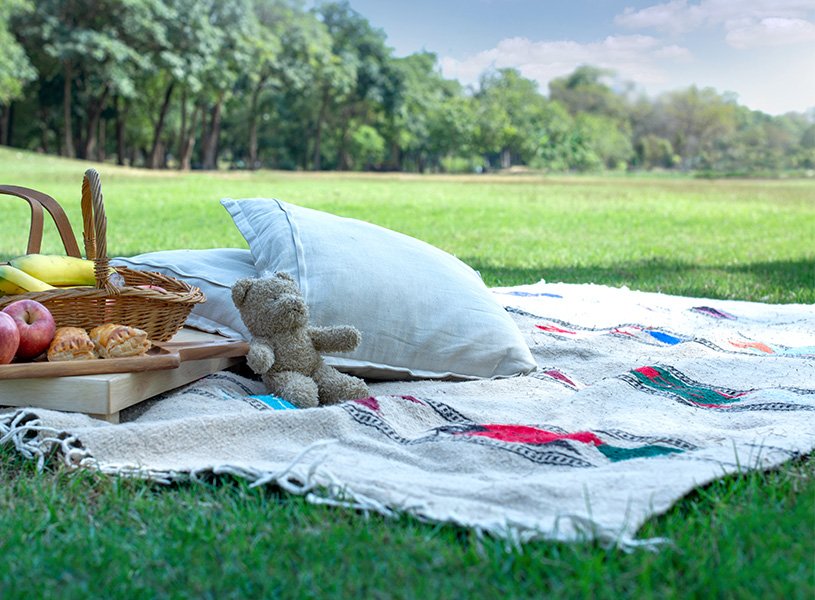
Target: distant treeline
column 268, row 84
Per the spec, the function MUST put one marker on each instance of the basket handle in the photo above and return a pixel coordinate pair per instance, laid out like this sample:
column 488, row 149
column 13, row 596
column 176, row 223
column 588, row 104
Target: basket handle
column 37, row 200
column 95, row 230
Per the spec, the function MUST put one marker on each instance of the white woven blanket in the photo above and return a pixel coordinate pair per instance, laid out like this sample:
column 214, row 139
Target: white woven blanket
column 639, row 397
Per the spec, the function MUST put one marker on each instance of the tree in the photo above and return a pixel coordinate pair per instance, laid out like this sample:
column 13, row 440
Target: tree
column 693, row 120
column 233, row 28
column 654, row 151
column 15, row 67
column 556, row 144
column 185, row 39
column 289, row 56
column 357, row 82
column 416, row 118
column 367, row 147
column 97, row 52
column 583, row 91
column 452, row 125
column 264, row 49
column 603, row 142
column 510, row 115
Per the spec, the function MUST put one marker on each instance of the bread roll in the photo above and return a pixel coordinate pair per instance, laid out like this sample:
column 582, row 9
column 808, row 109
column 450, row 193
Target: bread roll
column 119, row 341
column 71, row 343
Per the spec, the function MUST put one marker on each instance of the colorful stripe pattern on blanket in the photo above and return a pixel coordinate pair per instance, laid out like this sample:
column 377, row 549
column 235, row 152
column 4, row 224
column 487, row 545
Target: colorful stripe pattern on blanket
column 646, row 335
column 549, row 446
column 670, row 382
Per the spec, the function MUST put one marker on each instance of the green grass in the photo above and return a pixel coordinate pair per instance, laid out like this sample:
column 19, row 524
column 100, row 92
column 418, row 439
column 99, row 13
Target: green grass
column 76, row 535
column 750, row 240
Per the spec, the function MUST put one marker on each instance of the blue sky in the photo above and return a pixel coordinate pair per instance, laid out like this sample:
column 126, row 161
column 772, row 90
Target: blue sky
column 762, row 50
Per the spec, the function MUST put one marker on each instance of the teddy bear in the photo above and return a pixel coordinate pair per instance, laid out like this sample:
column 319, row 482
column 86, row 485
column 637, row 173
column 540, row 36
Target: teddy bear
column 285, row 351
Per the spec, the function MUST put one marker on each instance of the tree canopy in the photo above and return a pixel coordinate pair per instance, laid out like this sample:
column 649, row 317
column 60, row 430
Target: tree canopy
column 271, row 84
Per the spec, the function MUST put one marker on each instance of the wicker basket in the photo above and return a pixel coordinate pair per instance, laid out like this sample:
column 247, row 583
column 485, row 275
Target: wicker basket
column 160, row 313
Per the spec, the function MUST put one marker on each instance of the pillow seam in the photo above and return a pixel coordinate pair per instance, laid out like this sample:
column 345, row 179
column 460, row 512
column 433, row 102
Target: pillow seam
column 302, row 274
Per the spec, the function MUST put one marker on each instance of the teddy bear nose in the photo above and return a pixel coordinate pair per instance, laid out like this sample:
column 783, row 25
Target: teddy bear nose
column 291, row 300
column 292, row 303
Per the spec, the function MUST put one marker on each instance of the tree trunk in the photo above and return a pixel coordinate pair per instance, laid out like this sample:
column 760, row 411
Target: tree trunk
column 189, row 141
column 66, row 111
column 318, row 134
column 89, row 144
column 160, row 152
column 182, row 133
column 5, row 121
column 253, row 144
column 100, row 153
column 155, row 159
column 44, row 130
column 396, row 157
column 253, row 123
column 506, row 159
column 121, row 117
column 211, row 137
column 343, row 163
column 253, row 130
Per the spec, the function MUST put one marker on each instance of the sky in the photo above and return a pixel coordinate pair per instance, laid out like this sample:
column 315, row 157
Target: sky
column 761, row 50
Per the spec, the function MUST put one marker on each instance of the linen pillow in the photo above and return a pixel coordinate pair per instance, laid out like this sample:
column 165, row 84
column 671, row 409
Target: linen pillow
column 213, row 271
column 422, row 313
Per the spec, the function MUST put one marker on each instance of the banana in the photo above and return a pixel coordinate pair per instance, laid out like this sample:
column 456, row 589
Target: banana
column 56, row 270
column 15, row 281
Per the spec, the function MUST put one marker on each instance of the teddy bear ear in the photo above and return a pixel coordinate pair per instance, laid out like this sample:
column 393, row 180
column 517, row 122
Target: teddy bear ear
column 284, row 275
column 240, row 289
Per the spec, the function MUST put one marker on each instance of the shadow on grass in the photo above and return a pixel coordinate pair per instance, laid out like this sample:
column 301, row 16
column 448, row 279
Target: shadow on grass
column 777, row 281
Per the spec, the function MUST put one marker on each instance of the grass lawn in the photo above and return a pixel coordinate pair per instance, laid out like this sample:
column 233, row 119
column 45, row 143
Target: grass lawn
column 77, row 535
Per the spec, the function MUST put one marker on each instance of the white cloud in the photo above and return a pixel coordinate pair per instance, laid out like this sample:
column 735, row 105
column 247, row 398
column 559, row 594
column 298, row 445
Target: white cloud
column 773, row 31
column 632, row 57
column 675, row 15
column 747, row 23
column 675, row 53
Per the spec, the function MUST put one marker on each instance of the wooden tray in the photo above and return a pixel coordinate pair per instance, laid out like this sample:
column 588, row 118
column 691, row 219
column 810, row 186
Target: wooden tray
column 163, row 355
column 194, row 353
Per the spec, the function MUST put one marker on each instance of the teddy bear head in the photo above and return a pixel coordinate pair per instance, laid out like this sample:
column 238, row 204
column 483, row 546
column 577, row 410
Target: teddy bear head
column 270, row 305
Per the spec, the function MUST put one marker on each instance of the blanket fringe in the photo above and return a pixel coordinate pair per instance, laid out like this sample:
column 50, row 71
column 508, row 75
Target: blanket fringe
column 313, row 488
column 316, row 484
column 35, row 441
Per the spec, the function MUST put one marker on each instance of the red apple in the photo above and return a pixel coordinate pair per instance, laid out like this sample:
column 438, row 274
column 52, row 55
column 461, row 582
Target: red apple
column 35, row 324
column 9, row 338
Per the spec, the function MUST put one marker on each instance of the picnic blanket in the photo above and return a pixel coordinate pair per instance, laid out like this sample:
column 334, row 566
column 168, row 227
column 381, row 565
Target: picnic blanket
column 638, row 398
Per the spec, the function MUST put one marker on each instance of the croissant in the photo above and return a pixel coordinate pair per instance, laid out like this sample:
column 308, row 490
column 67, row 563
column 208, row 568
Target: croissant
column 119, row 341
column 71, row 343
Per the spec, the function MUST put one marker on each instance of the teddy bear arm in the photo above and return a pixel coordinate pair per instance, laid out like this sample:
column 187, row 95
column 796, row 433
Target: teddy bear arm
column 260, row 357
column 342, row 338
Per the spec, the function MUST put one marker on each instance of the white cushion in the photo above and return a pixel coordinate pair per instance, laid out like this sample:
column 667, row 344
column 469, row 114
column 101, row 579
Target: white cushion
column 214, row 272
column 422, row 313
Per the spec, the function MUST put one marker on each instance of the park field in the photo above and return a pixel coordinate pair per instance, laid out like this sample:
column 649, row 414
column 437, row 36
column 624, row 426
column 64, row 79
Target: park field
column 738, row 239
column 79, row 534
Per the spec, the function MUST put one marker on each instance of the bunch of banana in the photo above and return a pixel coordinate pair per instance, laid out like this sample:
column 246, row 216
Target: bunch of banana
column 15, row 281
column 41, row 272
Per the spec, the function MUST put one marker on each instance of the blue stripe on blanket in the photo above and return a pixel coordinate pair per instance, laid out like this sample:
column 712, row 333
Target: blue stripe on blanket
column 665, row 338
column 275, row 403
